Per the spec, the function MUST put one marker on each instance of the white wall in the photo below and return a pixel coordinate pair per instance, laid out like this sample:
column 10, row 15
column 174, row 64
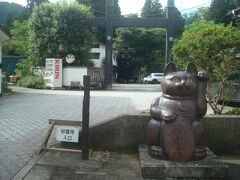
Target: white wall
column 114, row 58
column 101, row 50
column 73, row 74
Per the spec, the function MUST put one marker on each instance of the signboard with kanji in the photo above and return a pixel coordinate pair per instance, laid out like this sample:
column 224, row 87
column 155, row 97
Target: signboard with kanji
column 67, row 133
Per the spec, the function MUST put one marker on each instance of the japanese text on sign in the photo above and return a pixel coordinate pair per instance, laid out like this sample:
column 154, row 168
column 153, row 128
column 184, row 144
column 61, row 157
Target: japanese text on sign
column 67, row 133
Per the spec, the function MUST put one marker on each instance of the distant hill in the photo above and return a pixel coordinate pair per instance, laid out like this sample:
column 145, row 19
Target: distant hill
column 11, row 10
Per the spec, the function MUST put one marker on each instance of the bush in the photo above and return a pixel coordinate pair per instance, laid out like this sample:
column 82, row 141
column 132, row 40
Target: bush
column 34, row 81
column 234, row 111
column 213, row 47
column 6, row 89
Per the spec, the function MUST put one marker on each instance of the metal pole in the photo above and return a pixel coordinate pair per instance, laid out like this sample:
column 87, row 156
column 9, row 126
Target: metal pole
column 170, row 30
column 109, row 40
column 85, row 118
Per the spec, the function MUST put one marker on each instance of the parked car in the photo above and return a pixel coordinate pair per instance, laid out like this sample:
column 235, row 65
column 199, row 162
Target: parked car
column 153, row 78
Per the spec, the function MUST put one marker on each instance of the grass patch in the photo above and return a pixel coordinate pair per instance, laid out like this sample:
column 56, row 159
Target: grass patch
column 34, row 81
column 145, row 112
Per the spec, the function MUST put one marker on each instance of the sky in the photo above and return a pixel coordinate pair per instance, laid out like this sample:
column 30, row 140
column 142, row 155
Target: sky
column 135, row 6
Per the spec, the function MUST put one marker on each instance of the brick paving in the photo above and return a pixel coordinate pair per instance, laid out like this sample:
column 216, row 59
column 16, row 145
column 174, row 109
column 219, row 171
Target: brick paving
column 24, row 117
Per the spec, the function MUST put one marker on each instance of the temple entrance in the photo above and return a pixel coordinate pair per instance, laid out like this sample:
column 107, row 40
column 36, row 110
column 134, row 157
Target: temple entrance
column 110, row 22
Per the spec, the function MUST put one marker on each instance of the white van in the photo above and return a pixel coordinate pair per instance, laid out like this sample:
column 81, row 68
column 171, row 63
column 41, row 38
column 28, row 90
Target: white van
column 153, row 78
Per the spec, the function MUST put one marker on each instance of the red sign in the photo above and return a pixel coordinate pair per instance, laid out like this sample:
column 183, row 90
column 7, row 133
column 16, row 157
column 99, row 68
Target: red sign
column 57, row 69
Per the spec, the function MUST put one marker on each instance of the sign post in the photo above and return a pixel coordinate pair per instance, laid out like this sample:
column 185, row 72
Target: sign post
column 85, row 118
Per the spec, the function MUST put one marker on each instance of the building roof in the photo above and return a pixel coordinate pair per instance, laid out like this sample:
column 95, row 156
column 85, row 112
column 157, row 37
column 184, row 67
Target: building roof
column 4, row 36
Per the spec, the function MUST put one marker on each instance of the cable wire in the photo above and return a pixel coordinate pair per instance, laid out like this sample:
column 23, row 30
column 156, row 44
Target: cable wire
column 195, row 6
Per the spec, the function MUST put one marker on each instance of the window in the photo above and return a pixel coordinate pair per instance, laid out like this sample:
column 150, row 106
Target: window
column 95, row 55
column 96, row 45
column 159, row 75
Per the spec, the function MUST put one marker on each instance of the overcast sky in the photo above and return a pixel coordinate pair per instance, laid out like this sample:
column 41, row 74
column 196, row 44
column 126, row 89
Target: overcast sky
column 135, row 6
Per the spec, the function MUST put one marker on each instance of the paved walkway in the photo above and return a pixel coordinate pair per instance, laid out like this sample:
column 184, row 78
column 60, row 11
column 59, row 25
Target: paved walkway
column 24, row 116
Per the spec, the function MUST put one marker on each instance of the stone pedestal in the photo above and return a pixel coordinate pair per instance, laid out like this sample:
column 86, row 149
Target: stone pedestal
column 208, row 168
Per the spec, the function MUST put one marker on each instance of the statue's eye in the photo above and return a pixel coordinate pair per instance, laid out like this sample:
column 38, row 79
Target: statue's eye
column 189, row 79
column 176, row 79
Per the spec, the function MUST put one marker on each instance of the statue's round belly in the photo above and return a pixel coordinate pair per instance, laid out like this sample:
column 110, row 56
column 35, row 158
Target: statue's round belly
column 178, row 140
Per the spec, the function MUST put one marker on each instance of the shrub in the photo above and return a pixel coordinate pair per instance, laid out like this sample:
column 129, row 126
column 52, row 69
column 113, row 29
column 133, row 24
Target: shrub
column 6, row 89
column 35, row 81
column 215, row 48
column 234, row 111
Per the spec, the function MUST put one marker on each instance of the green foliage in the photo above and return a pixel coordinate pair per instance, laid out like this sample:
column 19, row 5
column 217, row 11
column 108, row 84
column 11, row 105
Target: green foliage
column 219, row 8
column 32, row 3
column 25, row 67
column 116, row 8
column 59, row 29
column 20, row 38
column 99, row 7
column 234, row 111
column 6, row 89
column 140, row 48
column 18, row 44
column 212, row 47
column 152, row 8
column 200, row 14
column 178, row 16
column 34, row 81
column 9, row 48
column 146, row 10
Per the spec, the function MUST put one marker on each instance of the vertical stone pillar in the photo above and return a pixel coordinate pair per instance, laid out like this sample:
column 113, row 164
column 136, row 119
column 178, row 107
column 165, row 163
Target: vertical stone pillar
column 170, row 30
column 109, row 39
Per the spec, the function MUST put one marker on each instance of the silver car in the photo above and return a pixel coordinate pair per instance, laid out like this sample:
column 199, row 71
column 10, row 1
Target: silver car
column 153, row 78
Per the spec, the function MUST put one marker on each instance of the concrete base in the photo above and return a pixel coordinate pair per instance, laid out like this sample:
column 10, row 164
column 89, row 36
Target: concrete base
column 209, row 168
column 56, row 165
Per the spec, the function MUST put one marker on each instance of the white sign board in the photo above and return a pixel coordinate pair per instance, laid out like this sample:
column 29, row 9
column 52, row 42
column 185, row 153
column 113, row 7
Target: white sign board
column 67, row 133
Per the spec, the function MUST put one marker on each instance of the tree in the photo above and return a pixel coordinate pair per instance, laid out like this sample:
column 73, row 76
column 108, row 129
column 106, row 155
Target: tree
column 146, row 10
column 152, row 8
column 99, row 7
column 200, row 14
column 20, row 39
column 178, row 16
column 219, row 8
column 60, row 29
column 32, row 3
column 212, row 47
column 139, row 49
column 99, row 10
column 116, row 9
column 18, row 44
column 157, row 9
